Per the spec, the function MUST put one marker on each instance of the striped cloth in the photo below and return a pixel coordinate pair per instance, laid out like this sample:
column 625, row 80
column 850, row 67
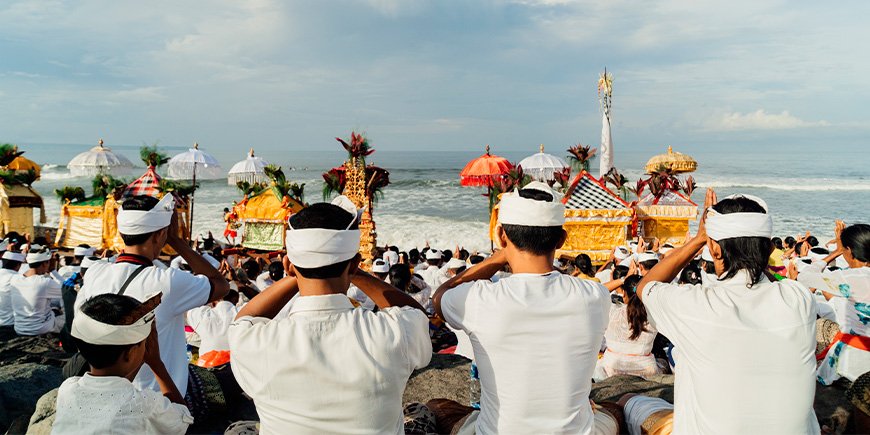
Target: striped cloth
column 148, row 184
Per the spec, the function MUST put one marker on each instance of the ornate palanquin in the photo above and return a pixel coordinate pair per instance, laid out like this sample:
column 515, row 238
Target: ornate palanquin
column 16, row 209
column 264, row 219
column 665, row 217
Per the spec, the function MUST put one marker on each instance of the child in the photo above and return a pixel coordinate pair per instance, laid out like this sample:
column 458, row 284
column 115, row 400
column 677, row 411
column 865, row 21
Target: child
column 116, row 335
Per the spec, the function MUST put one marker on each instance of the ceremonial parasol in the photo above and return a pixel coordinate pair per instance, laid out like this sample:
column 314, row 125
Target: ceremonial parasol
column 542, row 166
column 676, row 162
column 99, row 160
column 192, row 164
column 250, row 170
column 484, row 170
column 24, row 164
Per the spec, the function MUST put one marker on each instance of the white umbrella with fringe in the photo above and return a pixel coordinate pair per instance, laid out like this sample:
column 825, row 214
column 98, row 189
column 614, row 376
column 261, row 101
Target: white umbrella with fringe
column 193, row 164
column 250, row 170
column 542, row 166
column 99, row 160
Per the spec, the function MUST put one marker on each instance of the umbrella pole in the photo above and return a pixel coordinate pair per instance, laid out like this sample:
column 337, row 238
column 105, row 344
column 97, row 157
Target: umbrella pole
column 491, row 242
column 190, row 223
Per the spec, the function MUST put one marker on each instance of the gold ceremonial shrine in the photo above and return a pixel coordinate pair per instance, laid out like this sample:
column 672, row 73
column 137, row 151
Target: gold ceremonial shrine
column 355, row 190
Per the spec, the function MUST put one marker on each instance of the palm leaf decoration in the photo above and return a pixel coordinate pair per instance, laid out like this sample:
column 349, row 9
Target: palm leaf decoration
column 618, row 181
column 514, row 179
column 181, row 189
column 152, row 156
column 275, row 173
column 579, row 156
column 297, row 191
column 659, row 181
column 333, row 182
column 358, row 147
column 689, row 186
column 8, row 153
column 17, row 178
column 70, row 193
column 104, row 185
column 251, row 189
column 377, row 179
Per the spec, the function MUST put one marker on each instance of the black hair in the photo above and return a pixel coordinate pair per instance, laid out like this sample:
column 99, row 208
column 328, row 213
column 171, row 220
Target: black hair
column 400, row 276
column 446, row 255
column 326, row 216
column 107, row 308
column 820, row 251
column 777, row 242
column 475, row 259
column 433, row 262
column 232, row 296
column 83, row 245
column 251, row 268
column 217, row 253
column 143, row 203
column 414, row 256
column 584, row 264
column 789, row 242
column 404, row 256
column 394, row 249
column 857, row 238
column 11, row 264
column 536, row 240
column 744, row 253
column 813, row 241
column 708, row 267
column 14, row 237
column 619, row 272
column 691, row 274
column 276, row 270
column 635, row 310
column 463, row 254
column 649, row 264
column 36, row 265
column 41, row 240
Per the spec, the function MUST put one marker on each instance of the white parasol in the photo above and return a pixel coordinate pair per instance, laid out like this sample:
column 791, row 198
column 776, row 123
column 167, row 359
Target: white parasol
column 250, row 170
column 542, row 166
column 192, row 164
column 99, row 160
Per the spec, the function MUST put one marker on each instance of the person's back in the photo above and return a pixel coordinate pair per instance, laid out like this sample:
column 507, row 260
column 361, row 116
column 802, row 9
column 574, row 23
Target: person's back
column 7, row 317
column 536, row 340
column 746, row 345
column 31, row 297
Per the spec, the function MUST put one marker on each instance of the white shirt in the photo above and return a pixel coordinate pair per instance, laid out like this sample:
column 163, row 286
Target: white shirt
column 605, row 276
column 741, row 349
column 31, row 303
column 111, row 405
column 7, row 318
column 67, row 271
column 181, row 292
column 536, row 340
column 212, row 324
column 330, row 368
column 358, row 295
column 433, row 276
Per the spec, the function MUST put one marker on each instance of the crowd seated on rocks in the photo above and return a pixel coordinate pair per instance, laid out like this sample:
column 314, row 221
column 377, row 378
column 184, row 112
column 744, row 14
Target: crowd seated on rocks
column 737, row 318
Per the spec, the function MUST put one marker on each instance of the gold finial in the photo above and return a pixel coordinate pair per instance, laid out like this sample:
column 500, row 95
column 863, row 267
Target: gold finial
column 195, row 145
column 251, row 153
column 100, row 142
column 670, row 150
column 542, row 148
column 487, row 149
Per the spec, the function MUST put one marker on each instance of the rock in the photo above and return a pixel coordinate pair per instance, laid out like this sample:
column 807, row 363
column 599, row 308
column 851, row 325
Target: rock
column 21, row 385
column 832, row 407
column 43, row 349
column 446, row 377
column 612, row 388
column 43, row 417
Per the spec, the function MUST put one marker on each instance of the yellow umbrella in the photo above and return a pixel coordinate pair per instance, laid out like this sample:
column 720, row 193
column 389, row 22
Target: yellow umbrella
column 22, row 163
column 676, row 162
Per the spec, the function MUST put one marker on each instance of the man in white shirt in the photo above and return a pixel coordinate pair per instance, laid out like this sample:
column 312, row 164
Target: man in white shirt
column 146, row 226
column 432, row 274
column 744, row 342
column 11, row 263
column 33, row 294
column 535, row 334
column 328, row 367
column 79, row 254
column 211, row 323
column 273, row 273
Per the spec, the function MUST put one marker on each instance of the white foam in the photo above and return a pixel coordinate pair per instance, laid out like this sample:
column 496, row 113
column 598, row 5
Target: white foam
column 795, row 185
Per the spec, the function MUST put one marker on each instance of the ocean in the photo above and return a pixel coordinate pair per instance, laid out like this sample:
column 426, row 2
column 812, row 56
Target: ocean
column 805, row 190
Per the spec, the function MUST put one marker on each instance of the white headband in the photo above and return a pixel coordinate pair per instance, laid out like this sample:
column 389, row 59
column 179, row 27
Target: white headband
column 38, row 256
column 14, row 256
column 456, row 263
column 621, row 253
column 815, row 255
column 646, row 256
column 133, row 222
column 4, row 245
column 516, row 210
column 83, row 252
column 732, row 225
column 706, row 255
column 433, row 255
column 380, row 266
column 93, row 331
column 89, row 261
column 317, row 247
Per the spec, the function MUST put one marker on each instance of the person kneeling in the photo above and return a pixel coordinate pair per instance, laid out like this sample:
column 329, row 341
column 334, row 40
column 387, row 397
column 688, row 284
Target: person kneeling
column 116, row 335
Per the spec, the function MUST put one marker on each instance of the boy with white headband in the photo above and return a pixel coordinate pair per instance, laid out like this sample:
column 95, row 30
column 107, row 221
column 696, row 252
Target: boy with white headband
column 146, row 226
column 745, row 342
column 34, row 293
column 116, row 335
column 535, row 334
column 432, row 272
column 79, row 254
column 11, row 264
column 328, row 367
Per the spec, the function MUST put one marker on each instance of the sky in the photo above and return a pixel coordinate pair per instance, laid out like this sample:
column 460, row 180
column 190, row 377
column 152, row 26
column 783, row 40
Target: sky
column 435, row 75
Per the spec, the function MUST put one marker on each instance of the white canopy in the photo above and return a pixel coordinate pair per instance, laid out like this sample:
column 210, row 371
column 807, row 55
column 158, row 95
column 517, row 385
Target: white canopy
column 250, row 170
column 542, row 166
column 99, row 160
column 182, row 166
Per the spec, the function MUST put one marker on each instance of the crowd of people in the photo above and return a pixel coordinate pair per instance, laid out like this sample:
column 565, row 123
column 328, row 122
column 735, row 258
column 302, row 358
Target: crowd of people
column 742, row 319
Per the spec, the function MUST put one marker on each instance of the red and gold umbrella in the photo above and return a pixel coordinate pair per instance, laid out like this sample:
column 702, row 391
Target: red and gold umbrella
column 484, row 170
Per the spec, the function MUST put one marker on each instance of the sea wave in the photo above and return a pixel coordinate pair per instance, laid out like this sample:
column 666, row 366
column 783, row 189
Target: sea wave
column 797, row 185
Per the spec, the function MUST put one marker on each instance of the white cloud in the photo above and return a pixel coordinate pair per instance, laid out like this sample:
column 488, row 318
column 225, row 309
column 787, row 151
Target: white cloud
column 144, row 95
column 761, row 120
